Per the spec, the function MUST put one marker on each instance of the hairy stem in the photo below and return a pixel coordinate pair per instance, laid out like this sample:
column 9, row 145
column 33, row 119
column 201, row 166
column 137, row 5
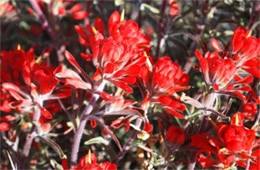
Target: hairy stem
column 83, row 120
column 160, row 28
column 30, row 136
column 45, row 23
column 128, row 143
column 209, row 102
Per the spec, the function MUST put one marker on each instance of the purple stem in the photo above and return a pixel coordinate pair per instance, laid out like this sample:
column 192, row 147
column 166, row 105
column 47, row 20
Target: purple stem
column 83, row 120
column 129, row 142
column 43, row 19
column 160, row 28
column 209, row 102
column 30, row 136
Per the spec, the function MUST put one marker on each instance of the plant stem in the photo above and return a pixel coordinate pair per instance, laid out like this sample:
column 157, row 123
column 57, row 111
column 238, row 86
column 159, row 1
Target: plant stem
column 45, row 23
column 128, row 144
column 160, row 28
column 83, row 120
column 209, row 102
column 30, row 136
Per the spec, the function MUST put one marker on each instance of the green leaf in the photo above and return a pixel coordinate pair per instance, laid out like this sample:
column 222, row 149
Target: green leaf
column 119, row 2
column 53, row 145
column 97, row 140
column 149, row 7
column 56, row 165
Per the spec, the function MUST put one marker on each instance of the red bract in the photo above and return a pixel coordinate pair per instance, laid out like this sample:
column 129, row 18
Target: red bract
column 7, row 9
column 244, row 46
column 38, row 81
column 205, row 142
column 5, row 100
column 174, row 7
column 127, row 31
column 175, row 134
column 255, row 164
column 11, row 71
column 249, row 110
column 168, row 77
column 39, row 77
column 232, row 145
column 217, row 71
column 236, row 137
column 119, row 57
column 161, row 82
column 63, row 8
column 89, row 162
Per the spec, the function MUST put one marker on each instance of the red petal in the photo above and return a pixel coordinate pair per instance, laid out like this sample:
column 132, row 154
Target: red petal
column 254, row 71
column 214, row 43
column 75, row 8
column 79, row 15
column 45, row 113
column 127, row 126
column 166, row 100
column 176, row 114
column 7, row 118
column 63, row 92
column 133, row 70
column 245, row 88
column 4, row 126
column 62, row 11
column 106, row 96
column 129, row 80
column 93, row 123
column 123, row 86
column 87, row 57
column 65, row 164
column 148, row 127
column 113, row 21
column 72, row 60
column 99, row 25
column 238, row 38
column 83, row 42
column 246, row 80
column 81, row 32
column 109, row 68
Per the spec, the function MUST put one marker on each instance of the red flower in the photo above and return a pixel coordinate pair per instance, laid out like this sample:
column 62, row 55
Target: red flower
column 4, row 126
column 168, row 77
column 119, row 57
column 7, row 9
column 217, row 71
column 249, row 110
column 60, row 9
column 236, row 137
column 205, row 142
column 5, row 100
column 246, row 51
column 161, row 82
column 128, row 31
column 12, row 71
column 89, row 162
column 175, row 134
column 255, row 164
column 38, row 82
column 245, row 47
column 174, row 7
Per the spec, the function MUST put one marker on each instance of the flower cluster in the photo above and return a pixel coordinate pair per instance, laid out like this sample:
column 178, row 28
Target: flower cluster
column 232, row 145
column 133, row 105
